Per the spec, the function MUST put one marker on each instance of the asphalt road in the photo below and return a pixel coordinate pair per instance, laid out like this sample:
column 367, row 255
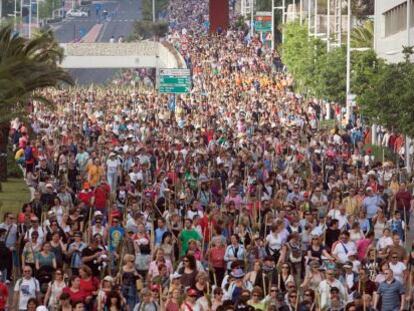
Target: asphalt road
column 123, row 15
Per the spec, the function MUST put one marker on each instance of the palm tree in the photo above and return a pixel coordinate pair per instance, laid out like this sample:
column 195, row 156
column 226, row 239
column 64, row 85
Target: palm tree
column 363, row 36
column 26, row 66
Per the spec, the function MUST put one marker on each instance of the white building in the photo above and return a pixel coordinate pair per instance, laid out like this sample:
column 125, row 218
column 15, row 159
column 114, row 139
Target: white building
column 390, row 30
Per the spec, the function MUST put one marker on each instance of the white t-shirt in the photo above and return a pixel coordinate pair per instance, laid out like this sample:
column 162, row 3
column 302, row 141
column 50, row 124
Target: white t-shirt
column 112, row 166
column 275, row 242
column 336, row 214
column 398, row 270
column 27, row 289
column 342, row 250
column 383, row 242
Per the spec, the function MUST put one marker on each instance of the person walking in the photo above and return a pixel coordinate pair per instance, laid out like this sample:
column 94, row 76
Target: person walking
column 391, row 292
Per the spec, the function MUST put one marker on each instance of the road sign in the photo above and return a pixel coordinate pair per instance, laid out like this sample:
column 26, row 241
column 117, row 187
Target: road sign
column 263, row 21
column 176, row 81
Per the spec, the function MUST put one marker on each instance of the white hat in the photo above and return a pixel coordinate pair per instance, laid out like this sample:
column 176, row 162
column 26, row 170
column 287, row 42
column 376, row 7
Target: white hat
column 108, row 278
column 97, row 213
column 41, row 308
column 49, row 186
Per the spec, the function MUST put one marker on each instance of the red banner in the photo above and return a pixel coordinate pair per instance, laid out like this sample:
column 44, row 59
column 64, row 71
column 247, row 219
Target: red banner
column 219, row 15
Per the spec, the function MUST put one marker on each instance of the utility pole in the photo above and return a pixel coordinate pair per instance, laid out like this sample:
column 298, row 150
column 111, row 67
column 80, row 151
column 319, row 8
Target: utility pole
column 348, row 65
column 328, row 27
column 153, row 11
column 408, row 139
column 301, row 11
column 316, row 18
column 251, row 18
column 309, row 18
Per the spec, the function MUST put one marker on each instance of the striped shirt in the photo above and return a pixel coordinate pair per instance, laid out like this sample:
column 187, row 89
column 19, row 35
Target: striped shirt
column 391, row 295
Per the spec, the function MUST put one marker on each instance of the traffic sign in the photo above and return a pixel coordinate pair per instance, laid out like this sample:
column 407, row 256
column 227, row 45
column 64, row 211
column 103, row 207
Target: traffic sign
column 263, row 21
column 176, row 81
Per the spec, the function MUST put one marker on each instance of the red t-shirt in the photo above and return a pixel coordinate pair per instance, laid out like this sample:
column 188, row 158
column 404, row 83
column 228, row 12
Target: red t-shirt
column 101, row 196
column 89, row 286
column 80, row 295
column 85, row 197
column 4, row 294
column 217, row 257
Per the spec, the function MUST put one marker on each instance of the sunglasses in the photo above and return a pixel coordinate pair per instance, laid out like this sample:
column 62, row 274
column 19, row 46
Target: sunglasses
column 293, row 296
column 273, row 290
column 27, row 271
column 186, row 260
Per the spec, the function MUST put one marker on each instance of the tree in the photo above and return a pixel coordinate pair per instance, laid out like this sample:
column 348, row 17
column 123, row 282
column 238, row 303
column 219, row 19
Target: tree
column 363, row 8
column 331, row 76
column 387, row 98
column 26, row 66
column 322, row 74
column 147, row 29
column 363, row 36
column 146, row 8
column 301, row 55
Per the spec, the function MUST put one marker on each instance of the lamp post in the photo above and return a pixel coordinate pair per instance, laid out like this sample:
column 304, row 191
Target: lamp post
column 328, row 28
column 348, row 65
column 153, row 11
column 309, row 18
column 316, row 17
column 408, row 139
column 251, row 18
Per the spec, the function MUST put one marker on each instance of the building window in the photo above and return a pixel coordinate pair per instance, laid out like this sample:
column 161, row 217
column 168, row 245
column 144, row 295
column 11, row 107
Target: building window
column 396, row 19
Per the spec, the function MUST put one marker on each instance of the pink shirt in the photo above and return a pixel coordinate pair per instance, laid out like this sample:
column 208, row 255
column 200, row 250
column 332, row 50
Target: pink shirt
column 237, row 200
column 362, row 247
column 153, row 268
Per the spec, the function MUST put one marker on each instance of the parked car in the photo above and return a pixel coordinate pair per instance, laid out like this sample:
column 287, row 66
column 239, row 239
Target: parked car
column 76, row 13
column 85, row 9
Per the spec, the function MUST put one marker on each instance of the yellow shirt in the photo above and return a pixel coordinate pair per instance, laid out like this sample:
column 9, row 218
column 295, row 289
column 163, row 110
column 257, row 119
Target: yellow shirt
column 94, row 174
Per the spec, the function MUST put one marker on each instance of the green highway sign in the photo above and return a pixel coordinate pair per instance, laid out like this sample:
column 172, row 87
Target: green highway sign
column 175, row 81
column 263, row 22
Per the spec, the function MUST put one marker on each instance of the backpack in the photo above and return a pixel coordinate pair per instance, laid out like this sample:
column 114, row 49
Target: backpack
column 28, row 153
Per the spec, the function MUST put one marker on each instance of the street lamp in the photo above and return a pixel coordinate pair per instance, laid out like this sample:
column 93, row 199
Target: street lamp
column 348, row 65
column 153, row 11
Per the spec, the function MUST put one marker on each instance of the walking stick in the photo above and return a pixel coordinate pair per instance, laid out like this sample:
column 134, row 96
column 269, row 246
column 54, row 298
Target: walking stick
column 405, row 225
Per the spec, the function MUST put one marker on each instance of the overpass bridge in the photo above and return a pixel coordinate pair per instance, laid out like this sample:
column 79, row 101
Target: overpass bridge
column 121, row 55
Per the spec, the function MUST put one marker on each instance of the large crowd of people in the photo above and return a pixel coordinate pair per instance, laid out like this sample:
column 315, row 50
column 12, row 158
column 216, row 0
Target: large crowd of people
column 232, row 197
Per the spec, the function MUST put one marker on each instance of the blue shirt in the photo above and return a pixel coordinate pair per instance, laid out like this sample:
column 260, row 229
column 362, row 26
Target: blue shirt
column 391, row 295
column 116, row 235
column 371, row 205
column 158, row 235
